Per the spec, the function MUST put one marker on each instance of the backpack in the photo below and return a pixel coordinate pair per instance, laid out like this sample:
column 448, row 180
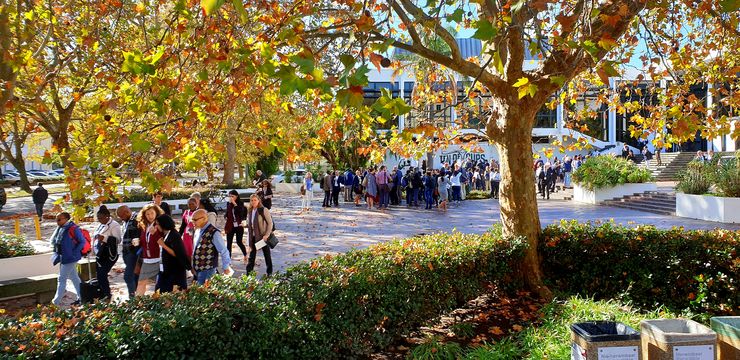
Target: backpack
column 85, row 234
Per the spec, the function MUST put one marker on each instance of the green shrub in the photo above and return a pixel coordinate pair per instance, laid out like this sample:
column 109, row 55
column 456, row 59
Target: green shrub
column 12, row 245
column 289, row 176
column 727, row 178
column 697, row 179
column 333, row 307
column 478, row 195
column 138, row 195
column 434, row 349
column 697, row 270
column 607, row 171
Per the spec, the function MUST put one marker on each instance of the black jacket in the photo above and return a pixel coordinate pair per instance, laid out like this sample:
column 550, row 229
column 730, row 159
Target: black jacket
column 40, row 195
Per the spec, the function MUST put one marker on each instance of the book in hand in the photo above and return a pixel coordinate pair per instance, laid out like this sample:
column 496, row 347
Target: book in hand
column 260, row 244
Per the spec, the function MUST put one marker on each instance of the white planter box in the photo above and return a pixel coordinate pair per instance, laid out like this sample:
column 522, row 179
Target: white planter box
column 26, row 266
column 707, row 207
column 581, row 194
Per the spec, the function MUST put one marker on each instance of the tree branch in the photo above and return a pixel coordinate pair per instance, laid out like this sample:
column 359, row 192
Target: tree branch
column 438, row 29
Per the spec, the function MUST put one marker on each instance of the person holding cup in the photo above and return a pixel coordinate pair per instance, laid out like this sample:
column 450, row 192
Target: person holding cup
column 105, row 240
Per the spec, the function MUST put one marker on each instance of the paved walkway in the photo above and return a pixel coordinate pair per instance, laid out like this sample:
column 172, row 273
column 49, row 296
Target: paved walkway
column 328, row 231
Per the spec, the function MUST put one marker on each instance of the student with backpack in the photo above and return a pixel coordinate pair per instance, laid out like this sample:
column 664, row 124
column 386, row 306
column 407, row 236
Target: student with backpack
column 106, row 237
column 69, row 244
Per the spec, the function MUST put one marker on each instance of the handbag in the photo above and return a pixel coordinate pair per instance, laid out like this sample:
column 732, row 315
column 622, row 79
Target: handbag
column 272, row 240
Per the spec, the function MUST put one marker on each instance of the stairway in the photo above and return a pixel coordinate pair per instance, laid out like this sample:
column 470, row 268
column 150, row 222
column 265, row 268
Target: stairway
column 674, row 163
column 656, row 202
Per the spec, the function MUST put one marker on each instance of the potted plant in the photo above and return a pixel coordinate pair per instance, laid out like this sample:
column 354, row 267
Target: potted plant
column 710, row 191
column 606, row 177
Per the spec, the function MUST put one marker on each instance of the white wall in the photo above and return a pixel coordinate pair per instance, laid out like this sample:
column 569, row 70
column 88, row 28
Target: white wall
column 33, row 152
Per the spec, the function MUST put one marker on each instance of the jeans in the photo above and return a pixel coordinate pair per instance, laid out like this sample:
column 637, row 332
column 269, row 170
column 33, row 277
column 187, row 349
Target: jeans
column 494, row 188
column 202, row 276
column 384, row 196
column 253, row 257
column 131, row 279
column 239, row 232
column 412, row 196
column 456, row 193
column 40, row 210
column 429, row 198
column 66, row 272
column 327, row 199
column 101, row 270
column 566, row 182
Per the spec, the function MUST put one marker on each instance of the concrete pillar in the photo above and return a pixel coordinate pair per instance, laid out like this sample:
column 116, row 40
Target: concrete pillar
column 401, row 118
column 613, row 114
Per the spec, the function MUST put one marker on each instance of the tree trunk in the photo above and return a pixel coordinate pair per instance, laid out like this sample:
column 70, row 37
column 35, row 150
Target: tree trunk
column 230, row 152
column 519, row 214
column 241, row 171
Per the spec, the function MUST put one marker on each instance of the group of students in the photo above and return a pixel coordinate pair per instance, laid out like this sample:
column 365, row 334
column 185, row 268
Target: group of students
column 154, row 250
column 380, row 188
column 547, row 174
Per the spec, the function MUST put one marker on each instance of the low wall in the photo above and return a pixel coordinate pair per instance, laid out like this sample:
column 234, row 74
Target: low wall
column 708, row 207
column 27, row 266
column 581, row 194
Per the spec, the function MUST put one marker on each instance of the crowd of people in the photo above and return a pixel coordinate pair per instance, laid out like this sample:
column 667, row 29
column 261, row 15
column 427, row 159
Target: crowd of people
column 548, row 173
column 155, row 251
column 379, row 187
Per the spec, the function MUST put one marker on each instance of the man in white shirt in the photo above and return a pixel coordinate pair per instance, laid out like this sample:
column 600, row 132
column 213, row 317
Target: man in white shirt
column 105, row 239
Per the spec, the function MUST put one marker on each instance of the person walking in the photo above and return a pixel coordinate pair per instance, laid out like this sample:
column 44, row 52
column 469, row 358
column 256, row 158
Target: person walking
column 234, row 216
column 382, row 179
column 187, row 229
column 129, row 247
column 39, row 196
column 260, row 228
column 357, row 187
column 105, row 242
column 175, row 262
column 567, row 170
column 307, row 193
column 258, row 178
column 265, row 193
column 209, row 245
column 150, row 252
column 67, row 242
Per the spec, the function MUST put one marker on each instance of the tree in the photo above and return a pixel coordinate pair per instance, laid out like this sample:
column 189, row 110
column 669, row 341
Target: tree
column 571, row 37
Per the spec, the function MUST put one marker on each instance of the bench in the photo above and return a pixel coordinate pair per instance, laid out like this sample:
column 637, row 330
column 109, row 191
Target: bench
column 43, row 286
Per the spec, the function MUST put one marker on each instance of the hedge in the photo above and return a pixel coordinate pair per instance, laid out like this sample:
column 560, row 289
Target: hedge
column 681, row 269
column 12, row 245
column 333, row 307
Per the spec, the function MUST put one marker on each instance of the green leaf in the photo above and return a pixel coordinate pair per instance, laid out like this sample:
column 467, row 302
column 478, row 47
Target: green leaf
column 389, row 107
column 729, row 5
column 138, row 144
column 558, row 80
column 305, row 62
column 347, row 60
column 529, row 89
column 210, row 6
column 521, row 82
column 456, row 16
column 485, row 30
column 239, row 6
column 359, row 78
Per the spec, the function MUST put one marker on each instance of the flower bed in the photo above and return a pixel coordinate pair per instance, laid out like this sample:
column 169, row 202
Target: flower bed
column 694, row 199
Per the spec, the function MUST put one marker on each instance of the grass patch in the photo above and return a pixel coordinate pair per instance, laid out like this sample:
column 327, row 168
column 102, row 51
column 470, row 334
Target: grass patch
column 551, row 339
